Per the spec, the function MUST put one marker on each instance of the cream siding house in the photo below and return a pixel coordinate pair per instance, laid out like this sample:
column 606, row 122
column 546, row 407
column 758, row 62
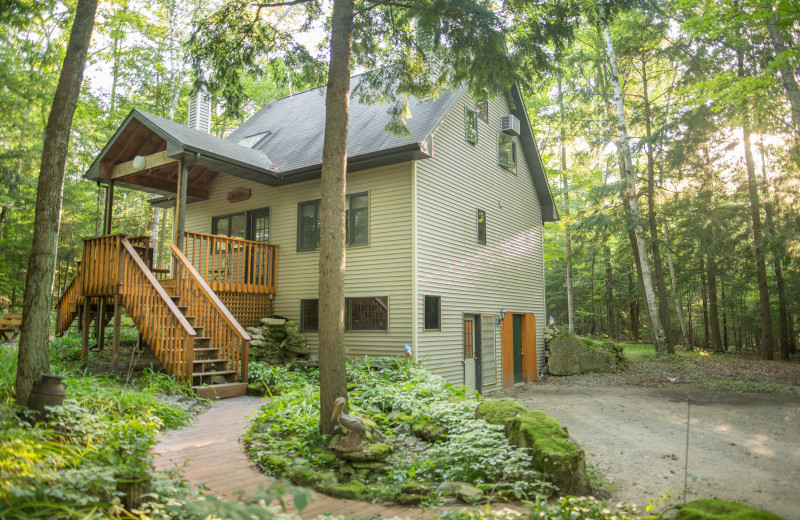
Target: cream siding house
column 444, row 243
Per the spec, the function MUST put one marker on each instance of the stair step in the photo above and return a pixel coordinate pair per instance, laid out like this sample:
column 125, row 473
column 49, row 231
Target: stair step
column 192, row 320
column 221, row 391
column 201, row 344
column 207, row 361
column 214, row 373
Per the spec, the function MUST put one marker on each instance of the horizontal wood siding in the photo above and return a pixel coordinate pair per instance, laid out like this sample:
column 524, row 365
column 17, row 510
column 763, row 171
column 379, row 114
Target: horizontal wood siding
column 382, row 268
column 508, row 271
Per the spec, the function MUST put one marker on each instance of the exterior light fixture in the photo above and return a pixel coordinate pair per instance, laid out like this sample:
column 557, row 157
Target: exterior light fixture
column 502, row 316
column 139, row 162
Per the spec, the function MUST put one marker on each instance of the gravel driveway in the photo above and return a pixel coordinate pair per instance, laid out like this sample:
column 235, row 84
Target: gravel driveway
column 743, row 447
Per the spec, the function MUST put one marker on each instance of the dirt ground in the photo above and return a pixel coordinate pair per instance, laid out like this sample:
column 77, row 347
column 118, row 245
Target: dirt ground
column 743, row 447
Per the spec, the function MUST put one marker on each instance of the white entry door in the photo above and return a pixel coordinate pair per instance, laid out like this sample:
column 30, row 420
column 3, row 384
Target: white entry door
column 469, row 352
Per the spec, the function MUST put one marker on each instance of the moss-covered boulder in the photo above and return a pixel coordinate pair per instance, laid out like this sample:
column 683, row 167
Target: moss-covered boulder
column 273, row 322
column 497, row 411
column 714, row 510
column 558, row 457
column 460, row 490
column 569, row 356
column 414, row 492
column 372, row 452
column 296, row 343
column 428, row 431
column 257, row 388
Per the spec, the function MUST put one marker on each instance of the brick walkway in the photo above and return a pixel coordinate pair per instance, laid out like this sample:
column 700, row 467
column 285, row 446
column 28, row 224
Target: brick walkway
column 208, row 453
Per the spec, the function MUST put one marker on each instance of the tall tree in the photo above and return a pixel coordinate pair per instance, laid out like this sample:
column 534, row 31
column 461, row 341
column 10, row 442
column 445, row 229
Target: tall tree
column 34, row 338
column 562, row 145
column 630, row 197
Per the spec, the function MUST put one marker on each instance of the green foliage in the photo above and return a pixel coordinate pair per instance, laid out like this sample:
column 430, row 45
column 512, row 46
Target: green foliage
column 394, row 395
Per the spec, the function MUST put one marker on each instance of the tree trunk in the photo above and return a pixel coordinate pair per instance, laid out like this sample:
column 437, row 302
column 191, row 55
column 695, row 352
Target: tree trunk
column 592, row 324
column 689, row 312
column 3, row 216
column 787, row 73
column 713, row 313
column 34, row 344
column 570, row 300
column 663, row 306
column 332, row 377
column 755, row 212
column 704, row 289
column 777, row 264
column 724, row 319
column 610, row 305
column 630, row 197
column 674, row 279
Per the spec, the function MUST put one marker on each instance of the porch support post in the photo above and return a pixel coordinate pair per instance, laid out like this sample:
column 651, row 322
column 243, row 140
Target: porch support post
column 109, row 208
column 117, row 324
column 99, row 322
column 85, row 328
column 180, row 203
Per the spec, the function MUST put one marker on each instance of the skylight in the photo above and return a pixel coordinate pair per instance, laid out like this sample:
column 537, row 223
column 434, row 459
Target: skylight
column 252, row 140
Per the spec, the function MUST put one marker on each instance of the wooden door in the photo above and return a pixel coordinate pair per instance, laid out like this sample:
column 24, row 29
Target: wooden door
column 518, row 343
column 469, row 352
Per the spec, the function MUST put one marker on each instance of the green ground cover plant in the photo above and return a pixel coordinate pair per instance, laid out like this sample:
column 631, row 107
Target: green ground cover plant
column 429, row 425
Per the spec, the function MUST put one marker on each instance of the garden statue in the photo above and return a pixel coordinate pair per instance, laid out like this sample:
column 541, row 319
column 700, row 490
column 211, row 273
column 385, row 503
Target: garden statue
column 354, row 426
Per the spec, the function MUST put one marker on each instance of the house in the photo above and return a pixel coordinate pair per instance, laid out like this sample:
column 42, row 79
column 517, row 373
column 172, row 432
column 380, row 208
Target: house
column 444, row 232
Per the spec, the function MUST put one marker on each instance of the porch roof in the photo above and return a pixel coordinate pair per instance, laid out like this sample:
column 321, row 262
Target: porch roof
column 163, row 143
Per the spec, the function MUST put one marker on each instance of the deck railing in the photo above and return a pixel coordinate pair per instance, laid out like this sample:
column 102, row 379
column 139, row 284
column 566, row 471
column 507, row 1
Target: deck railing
column 219, row 324
column 163, row 326
column 233, row 264
column 112, row 266
column 67, row 306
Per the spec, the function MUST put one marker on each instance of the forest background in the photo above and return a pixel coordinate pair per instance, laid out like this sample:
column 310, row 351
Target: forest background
column 712, row 111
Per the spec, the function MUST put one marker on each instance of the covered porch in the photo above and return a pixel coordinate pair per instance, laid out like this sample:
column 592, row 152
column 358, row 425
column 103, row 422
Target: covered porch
column 191, row 310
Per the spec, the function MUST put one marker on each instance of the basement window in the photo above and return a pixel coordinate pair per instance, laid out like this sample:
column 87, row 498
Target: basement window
column 367, row 313
column 309, row 315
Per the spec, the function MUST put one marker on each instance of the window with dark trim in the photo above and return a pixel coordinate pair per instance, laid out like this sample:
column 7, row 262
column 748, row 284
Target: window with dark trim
column 471, row 124
column 481, row 226
column 233, row 226
column 433, row 313
column 251, row 225
column 309, row 315
column 357, row 222
column 357, row 206
column 370, row 313
column 507, row 152
column 482, row 106
column 308, row 220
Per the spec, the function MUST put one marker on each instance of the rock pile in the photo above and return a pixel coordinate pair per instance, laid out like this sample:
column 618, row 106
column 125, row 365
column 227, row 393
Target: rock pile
column 277, row 340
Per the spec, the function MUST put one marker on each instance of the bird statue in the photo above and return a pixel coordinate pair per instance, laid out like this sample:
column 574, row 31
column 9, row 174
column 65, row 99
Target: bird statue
column 354, row 426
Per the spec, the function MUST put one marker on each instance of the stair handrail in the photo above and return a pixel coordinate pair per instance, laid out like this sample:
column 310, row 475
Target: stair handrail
column 176, row 312
column 72, row 294
column 184, row 266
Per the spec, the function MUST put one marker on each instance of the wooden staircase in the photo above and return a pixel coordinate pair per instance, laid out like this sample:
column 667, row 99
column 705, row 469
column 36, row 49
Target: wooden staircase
column 181, row 319
column 211, row 377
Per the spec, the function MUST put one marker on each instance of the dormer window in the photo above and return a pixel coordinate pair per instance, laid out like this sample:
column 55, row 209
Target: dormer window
column 252, row 140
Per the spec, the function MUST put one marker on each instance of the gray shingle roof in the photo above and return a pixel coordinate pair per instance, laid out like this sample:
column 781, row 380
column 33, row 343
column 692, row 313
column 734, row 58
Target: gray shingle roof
column 297, row 127
column 202, row 142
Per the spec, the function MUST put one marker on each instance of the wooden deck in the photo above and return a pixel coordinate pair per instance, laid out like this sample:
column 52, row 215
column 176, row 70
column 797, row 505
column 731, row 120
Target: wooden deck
column 208, row 453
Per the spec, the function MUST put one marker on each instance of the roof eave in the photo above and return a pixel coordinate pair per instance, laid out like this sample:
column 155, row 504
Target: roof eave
column 534, row 159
